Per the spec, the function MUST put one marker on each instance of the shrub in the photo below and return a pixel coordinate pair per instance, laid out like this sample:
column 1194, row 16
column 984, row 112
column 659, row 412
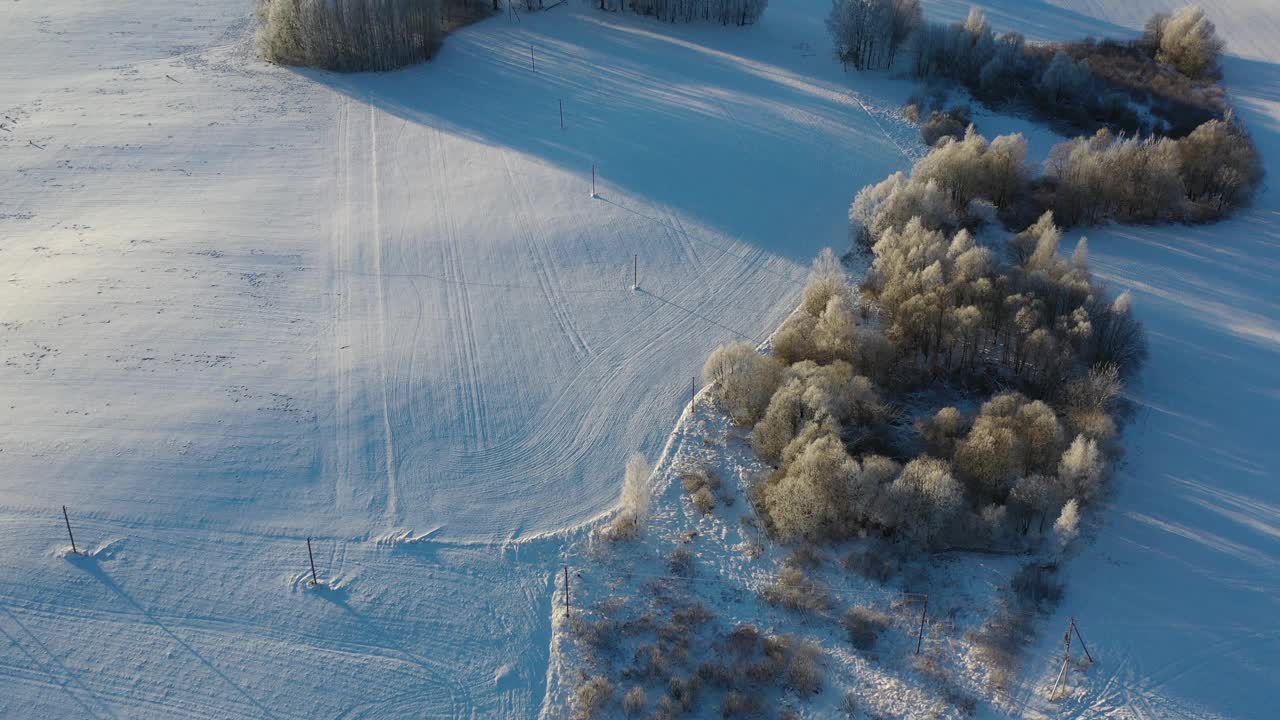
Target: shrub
column 945, row 124
column 794, row 590
column 680, row 563
column 873, row 562
column 735, row 704
column 593, row 696
column 349, row 35
column 634, row 701
column 864, row 626
column 804, row 674
column 704, row 500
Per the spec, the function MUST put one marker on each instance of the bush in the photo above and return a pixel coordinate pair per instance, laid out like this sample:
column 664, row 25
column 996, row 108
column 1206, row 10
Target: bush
column 634, row 701
column 593, row 696
column 794, row 590
column 349, row 35
column 804, row 674
column 872, row 562
column 945, row 124
column 864, row 626
column 735, row 704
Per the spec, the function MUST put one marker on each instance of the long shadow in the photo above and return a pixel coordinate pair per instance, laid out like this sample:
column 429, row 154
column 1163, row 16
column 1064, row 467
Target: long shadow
column 93, row 568
column 102, row 710
column 714, row 143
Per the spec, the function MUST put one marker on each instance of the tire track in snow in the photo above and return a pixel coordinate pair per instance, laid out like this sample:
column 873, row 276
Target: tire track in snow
column 341, row 291
column 381, row 321
column 463, row 348
column 544, row 264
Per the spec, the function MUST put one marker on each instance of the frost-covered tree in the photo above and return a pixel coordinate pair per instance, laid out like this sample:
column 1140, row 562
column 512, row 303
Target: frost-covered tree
column 1189, row 41
column 1067, row 526
column 1083, row 468
column 927, row 499
column 743, row 380
column 817, row 495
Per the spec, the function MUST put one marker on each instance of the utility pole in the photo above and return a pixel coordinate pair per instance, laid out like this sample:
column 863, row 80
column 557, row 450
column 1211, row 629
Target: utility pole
column 532, row 64
column 1066, row 658
column 593, row 181
column 566, row 590
column 74, row 551
column 561, row 114
column 635, row 272
column 314, row 580
column 924, row 613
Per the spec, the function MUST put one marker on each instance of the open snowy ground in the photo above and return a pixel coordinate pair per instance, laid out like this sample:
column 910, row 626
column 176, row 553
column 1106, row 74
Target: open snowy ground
column 243, row 305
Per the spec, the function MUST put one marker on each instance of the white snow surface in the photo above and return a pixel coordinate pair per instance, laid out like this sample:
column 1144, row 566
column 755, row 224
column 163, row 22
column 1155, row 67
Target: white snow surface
column 243, row 305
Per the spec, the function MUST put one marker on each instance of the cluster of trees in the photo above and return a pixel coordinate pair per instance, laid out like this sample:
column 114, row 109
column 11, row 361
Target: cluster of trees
column 869, row 33
column 1065, row 84
column 349, row 35
column 1196, row 178
column 725, row 12
column 1024, row 322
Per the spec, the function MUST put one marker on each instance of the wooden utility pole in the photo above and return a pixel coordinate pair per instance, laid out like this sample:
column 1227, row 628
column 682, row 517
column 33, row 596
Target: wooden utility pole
column 66, row 519
column 924, row 613
column 532, row 64
column 693, row 391
column 561, row 114
column 312, row 558
column 593, row 180
column 635, row 272
column 566, row 590
column 1066, row 658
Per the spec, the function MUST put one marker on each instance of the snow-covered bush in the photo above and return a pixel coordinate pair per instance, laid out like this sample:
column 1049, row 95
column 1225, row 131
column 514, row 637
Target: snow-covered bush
column 349, row 35
column 593, row 697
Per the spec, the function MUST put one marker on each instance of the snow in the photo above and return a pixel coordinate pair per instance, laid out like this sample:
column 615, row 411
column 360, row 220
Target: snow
column 244, row 305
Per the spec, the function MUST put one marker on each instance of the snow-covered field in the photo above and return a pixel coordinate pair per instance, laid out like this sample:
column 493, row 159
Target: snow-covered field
column 243, row 305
